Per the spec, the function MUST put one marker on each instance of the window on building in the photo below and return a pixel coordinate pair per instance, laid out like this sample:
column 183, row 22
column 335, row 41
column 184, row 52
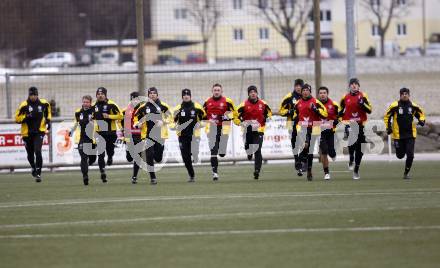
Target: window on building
column 238, row 34
column 180, row 13
column 264, row 33
column 325, row 15
column 375, row 2
column 328, row 15
column 375, row 30
column 401, row 2
column 237, row 4
column 401, row 29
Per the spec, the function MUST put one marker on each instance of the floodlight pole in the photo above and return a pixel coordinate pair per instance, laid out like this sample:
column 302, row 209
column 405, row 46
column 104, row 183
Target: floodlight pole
column 140, row 45
column 317, row 38
column 350, row 33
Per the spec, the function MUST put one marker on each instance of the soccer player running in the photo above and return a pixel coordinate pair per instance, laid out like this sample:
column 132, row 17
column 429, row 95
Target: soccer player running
column 132, row 134
column 328, row 127
column 310, row 111
column 399, row 120
column 355, row 106
column 106, row 114
column 219, row 112
column 187, row 118
column 34, row 115
column 287, row 109
column 85, row 136
column 252, row 116
column 154, row 117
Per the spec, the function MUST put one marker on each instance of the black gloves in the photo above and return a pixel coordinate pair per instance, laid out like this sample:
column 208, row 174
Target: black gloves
column 314, row 108
column 346, row 132
column 421, row 123
column 389, row 131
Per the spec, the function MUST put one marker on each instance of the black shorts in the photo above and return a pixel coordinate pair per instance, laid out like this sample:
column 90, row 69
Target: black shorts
column 135, row 139
column 327, row 143
column 34, row 142
column 404, row 147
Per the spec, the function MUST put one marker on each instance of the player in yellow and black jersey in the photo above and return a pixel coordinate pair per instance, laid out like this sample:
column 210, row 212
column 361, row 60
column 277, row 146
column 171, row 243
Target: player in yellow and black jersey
column 153, row 118
column 399, row 120
column 34, row 115
column 106, row 114
column 83, row 135
column 187, row 117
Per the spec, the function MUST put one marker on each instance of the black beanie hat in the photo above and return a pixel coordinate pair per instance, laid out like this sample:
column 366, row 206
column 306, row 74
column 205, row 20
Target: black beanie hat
column 152, row 89
column 252, row 88
column 134, row 95
column 186, row 91
column 102, row 90
column 404, row 90
column 299, row 82
column 33, row 91
column 354, row 81
column 307, row 86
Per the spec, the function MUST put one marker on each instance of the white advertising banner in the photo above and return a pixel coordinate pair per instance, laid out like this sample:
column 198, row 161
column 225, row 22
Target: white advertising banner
column 12, row 151
column 276, row 144
column 65, row 150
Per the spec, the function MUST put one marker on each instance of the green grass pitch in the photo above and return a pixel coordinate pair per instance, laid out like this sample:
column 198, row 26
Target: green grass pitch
column 279, row 221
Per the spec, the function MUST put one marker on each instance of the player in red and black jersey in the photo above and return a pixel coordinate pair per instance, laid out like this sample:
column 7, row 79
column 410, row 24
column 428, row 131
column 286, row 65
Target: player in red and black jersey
column 328, row 127
column 252, row 116
column 355, row 106
column 132, row 135
column 309, row 111
column 220, row 111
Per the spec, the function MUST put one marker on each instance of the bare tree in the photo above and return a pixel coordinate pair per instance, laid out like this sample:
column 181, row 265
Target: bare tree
column 287, row 17
column 383, row 12
column 206, row 15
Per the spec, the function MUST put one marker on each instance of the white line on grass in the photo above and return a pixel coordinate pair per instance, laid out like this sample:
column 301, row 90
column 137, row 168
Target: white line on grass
column 228, row 232
column 205, row 216
column 199, row 197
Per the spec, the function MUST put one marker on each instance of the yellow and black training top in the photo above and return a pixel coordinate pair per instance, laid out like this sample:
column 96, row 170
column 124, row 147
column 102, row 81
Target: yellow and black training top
column 187, row 117
column 107, row 107
column 34, row 117
column 287, row 108
column 400, row 119
column 150, row 113
column 83, row 120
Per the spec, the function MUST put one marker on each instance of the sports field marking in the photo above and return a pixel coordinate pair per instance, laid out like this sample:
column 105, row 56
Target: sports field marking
column 199, row 197
column 228, row 232
column 205, row 216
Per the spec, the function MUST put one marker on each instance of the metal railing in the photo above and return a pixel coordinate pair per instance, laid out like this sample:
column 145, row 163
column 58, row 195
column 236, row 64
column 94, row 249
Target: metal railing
column 9, row 80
